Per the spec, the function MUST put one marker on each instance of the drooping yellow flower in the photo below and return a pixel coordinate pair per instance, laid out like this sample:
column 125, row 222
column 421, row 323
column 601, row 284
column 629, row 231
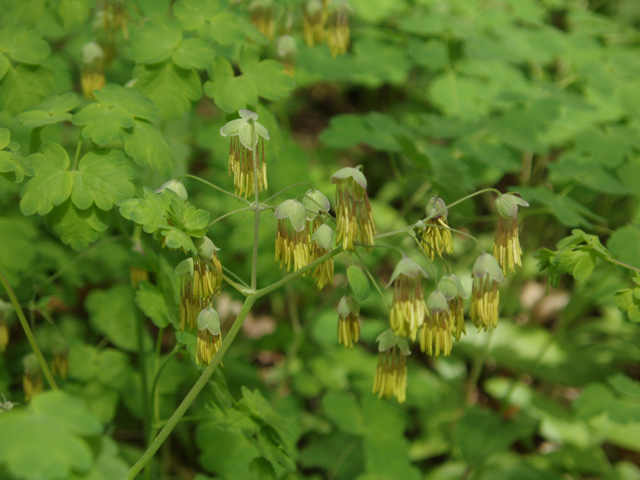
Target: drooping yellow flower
column 261, row 13
column 435, row 335
column 32, row 379
column 209, row 336
column 338, row 29
column 247, row 139
column 355, row 220
column 408, row 309
column 292, row 238
column 391, row 373
column 286, row 49
column 451, row 287
column 92, row 77
column 485, row 295
column 314, row 17
column 349, row 321
column 321, row 243
column 506, row 247
column 436, row 235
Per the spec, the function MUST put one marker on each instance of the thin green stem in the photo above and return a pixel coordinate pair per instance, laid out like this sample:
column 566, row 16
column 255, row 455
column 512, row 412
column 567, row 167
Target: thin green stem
column 463, row 199
column 286, row 189
column 237, row 277
column 142, row 367
column 227, row 214
column 373, row 280
column 256, row 223
column 622, row 264
column 195, row 390
column 27, row 331
column 156, row 379
column 397, row 232
column 212, row 185
column 76, row 157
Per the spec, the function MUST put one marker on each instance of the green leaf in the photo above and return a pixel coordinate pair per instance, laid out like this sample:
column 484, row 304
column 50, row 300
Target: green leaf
column 112, row 312
column 73, row 12
column 148, row 211
column 482, row 433
column 349, row 130
column 154, row 41
column 223, row 28
column 103, row 123
column 584, row 265
column 52, row 110
column 343, row 410
column 5, row 137
column 170, row 87
column 567, row 210
column 52, row 182
column 625, row 385
column 624, row 244
column 608, row 148
column 359, row 283
column 38, row 445
column 147, row 146
column 5, row 65
column 193, row 13
column 77, row 228
column 130, row 99
column 68, row 411
column 153, row 304
column 102, row 178
column 262, row 469
column 595, row 399
column 193, row 53
column 231, row 93
column 269, row 77
column 24, row 86
column 23, row 45
column 12, row 167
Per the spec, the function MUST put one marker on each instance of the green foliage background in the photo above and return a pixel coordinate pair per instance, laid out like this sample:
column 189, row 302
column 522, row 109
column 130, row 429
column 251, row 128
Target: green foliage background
column 433, row 97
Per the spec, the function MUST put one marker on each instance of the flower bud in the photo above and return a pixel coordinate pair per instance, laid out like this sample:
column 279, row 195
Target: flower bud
column 176, row 187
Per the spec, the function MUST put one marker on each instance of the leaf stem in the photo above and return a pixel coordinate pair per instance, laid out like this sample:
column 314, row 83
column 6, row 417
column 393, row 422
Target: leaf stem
column 28, row 332
column 195, row 390
column 288, row 188
column 227, row 214
column 256, row 210
column 212, row 185
column 76, row 157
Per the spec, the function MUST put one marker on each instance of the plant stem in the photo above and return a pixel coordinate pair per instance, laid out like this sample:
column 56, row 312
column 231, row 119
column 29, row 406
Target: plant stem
column 76, row 157
column 212, row 185
column 142, row 367
column 288, row 188
column 227, row 214
column 373, row 280
column 256, row 211
column 28, row 332
column 195, row 390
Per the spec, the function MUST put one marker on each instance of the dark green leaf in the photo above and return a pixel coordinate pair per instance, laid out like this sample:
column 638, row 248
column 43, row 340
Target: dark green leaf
column 153, row 304
column 147, row 146
column 23, row 45
column 25, row 86
column 359, row 283
column 154, row 41
column 77, row 228
column 103, row 123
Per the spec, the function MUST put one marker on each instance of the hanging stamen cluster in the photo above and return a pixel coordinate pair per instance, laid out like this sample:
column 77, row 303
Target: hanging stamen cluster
column 436, row 335
column 200, row 278
column 451, row 287
column 209, row 336
column 32, row 378
column 286, row 49
column 436, row 235
column 485, row 294
column 292, row 239
column 506, row 247
column 391, row 373
column 349, row 321
column 408, row 310
column 355, row 220
column 321, row 243
column 314, row 17
column 261, row 14
column 338, row 29
column 247, row 142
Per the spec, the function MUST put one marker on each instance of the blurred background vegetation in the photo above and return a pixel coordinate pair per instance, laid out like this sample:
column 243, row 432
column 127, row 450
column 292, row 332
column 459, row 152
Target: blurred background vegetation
column 432, row 97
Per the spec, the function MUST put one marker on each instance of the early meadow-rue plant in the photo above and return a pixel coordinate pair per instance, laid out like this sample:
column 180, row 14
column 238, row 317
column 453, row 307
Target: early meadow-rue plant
column 209, row 336
column 349, row 321
column 506, row 247
column 355, row 220
column 408, row 310
column 451, row 287
column 391, row 373
column 436, row 335
column 60, row 360
column 314, row 17
column 292, row 238
column 247, row 141
column 436, row 235
column 338, row 28
column 286, row 49
column 485, row 294
column 321, row 243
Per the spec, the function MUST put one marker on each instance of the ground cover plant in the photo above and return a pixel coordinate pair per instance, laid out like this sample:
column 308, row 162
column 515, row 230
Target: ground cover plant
column 318, row 239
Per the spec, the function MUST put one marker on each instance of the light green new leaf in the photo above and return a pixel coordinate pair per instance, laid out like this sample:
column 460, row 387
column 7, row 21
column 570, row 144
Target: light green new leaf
column 112, row 312
column 343, row 410
column 103, row 123
column 52, row 110
column 359, row 283
column 12, row 167
column 193, row 13
column 130, row 99
column 170, row 87
column 77, row 228
column 23, row 45
column 154, row 41
column 193, row 53
column 269, row 77
column 5, row 65
column 153, row 304
column 5, row 137
column 24, row 86
column 51, row 184
column 146, row 145
column 624, row 244
column 147, row 211
column 102, row 178
column 230, row 93
column 68, row 411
